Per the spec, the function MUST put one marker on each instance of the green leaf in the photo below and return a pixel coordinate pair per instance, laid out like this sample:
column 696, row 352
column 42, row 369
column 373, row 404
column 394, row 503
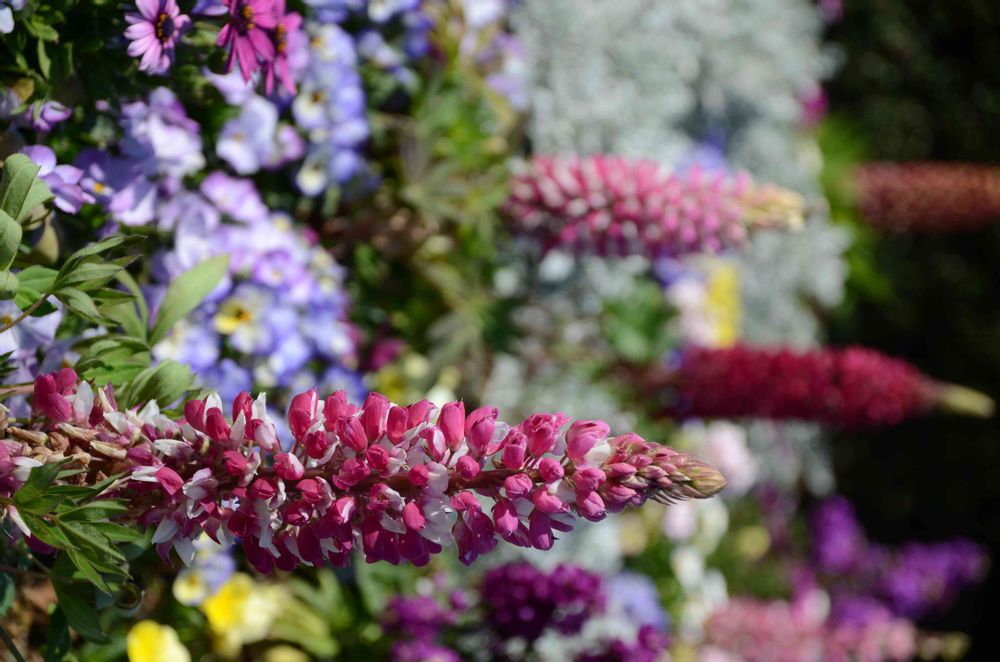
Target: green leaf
column 10, row 239
column 80, row 303
column 100, row 247
column 6, row 593
column 9, row 285
column 93, row 511
column 119, row 533
column 186, row 292
column 78, row 605
column 38, row 278
column 164, row 383
column 20, row 190
column 59, row 640
column 90, row 274
column 39, row 480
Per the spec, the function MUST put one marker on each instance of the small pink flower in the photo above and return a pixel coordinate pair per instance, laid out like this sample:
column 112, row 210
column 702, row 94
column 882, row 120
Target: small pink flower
column 154, row 32
column 279, row 68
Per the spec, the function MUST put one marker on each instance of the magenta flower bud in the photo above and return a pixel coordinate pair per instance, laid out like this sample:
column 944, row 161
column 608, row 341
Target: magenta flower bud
column 419, row 475
column 352, row 472
column 578, row 448
column 518, row 485
column 396, row 426
column 243, row 404
column 297, row 513
column 413, row 517
column 467, row 467
column 288, row 467
column 479, row 428
column 598, row 429
column 301, row 412
column 550, row 470
column 452, row 423
column 590, row 505
column 547, row 502
column 343, row 510
column 418, row 413
column 334, row 407
column 317, row 443
column 216, row 426
column 513, row 454
column 505, row 517
column 465, row 500
column 49, row 394
column 263, row 489
column 194, row 413
column 619, row 471
column 542, row 432
column 234, row 463
column 378, row 458
column 618, row 494
column 352, row 434
column 540, row 530
column 311, row 490
column 169, row 480
column 373, row 415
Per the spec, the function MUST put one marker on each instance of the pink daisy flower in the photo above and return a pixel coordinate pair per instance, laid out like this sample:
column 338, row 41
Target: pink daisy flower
column 279, row 67
column 154, row 32
column 247, row 36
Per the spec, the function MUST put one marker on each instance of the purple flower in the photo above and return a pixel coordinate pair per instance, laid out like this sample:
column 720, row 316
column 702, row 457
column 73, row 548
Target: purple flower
column 418, row 617
column 523, row 601
column 47, row 114
column 7, row 9
column 636, row 597
column 422, row 651
column 237, row 198
column 30, row 334
column 154, row 32
column 246, row 34
column 62, row 180
column 161, row 137
column 839, row 542
column 926, row 578
column 119, row 185
column 253, row 140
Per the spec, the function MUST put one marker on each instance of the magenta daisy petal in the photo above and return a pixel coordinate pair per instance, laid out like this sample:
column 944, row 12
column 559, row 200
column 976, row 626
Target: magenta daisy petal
column 154, row 32
column 246, row 34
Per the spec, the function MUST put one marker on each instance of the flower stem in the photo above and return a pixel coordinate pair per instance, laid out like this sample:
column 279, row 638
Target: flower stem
column 10, row 644
column 27, row 311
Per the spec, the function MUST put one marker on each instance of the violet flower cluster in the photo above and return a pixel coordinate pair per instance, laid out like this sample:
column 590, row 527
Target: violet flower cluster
column 515, row 605
column 614, row 206
column 280, row 318
column 912, row 581
column 396, row 483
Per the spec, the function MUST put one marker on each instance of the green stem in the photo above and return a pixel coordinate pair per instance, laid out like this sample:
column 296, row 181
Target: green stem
column 27, row 311
column 964, row 401
column 10, row 644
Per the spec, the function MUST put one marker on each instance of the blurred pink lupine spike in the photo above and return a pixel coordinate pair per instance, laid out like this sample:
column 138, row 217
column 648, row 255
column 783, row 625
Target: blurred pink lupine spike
column 616, row 206
column 397, row 483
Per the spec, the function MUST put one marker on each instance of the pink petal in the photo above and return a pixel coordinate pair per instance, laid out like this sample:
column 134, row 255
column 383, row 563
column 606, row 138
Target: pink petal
column 139, row 30
column 262, row 44
column 148, row 8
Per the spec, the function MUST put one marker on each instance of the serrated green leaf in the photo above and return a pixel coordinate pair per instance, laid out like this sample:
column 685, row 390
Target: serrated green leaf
column 20, row 190
column 10, row 239
column 100, row 247
column 164, row 383
column 186, row 292
column 90, row 274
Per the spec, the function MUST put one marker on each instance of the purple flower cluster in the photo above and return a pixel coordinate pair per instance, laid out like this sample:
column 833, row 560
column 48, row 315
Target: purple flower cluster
column 913, row 581
column 330, row 109
column 521, row 600
column 649, row 645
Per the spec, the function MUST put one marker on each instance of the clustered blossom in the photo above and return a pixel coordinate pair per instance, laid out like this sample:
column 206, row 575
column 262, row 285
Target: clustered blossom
column 397, row 483
column 758, row 631
column 928, row 197
column 850, row 387
column 615, row 206
column 330, row 109
column 912, row 581
column 521, row 600
column 63, row 180
column 280, row 317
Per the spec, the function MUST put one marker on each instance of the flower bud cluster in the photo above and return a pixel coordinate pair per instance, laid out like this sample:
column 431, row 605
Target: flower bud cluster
column 396, row 483
column 616, row 206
